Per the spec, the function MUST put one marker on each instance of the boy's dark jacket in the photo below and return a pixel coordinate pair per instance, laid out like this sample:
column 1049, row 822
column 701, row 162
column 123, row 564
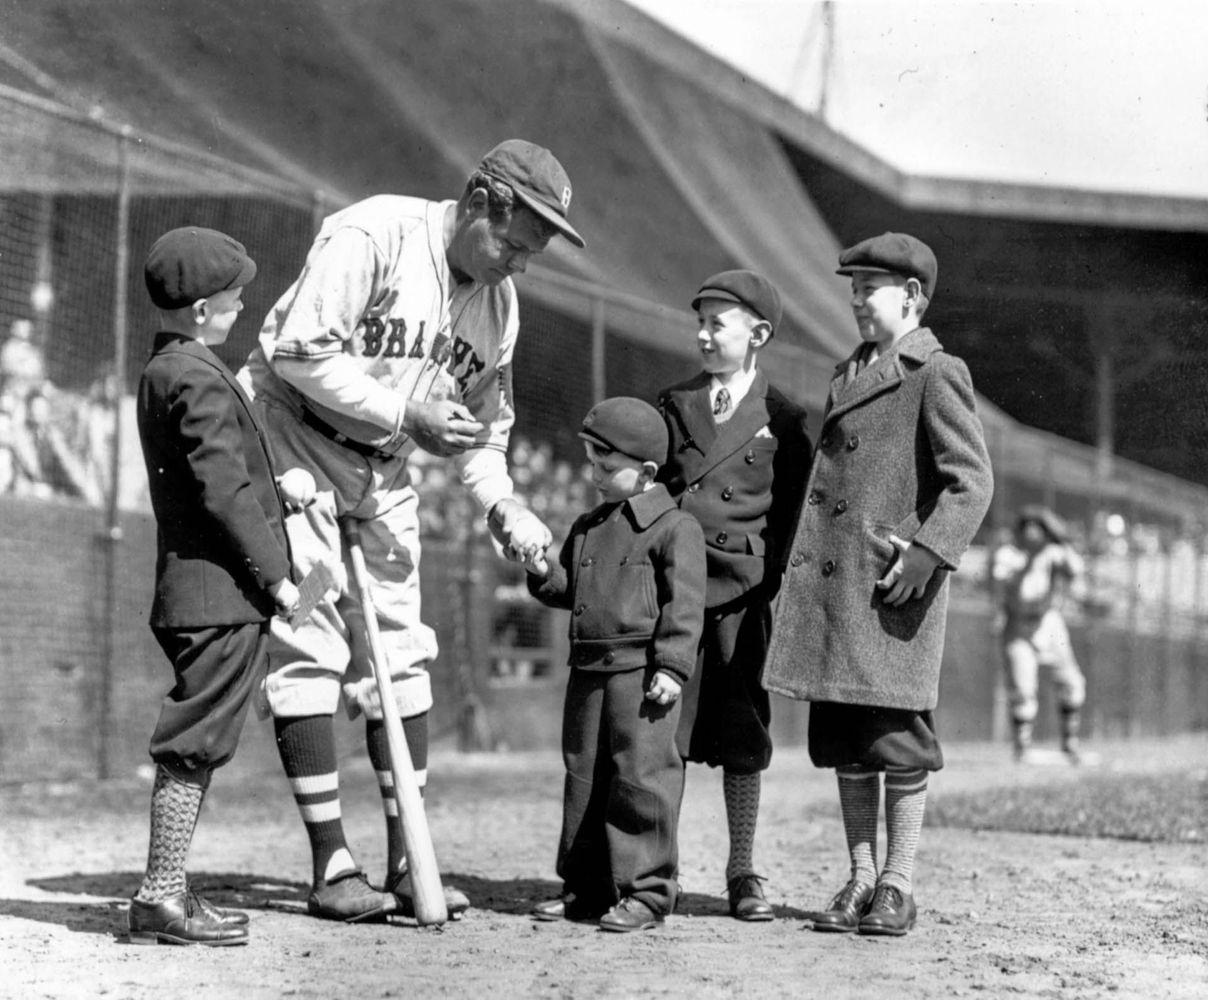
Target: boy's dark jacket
column 901, row 452
column 221, row 525
column 633, row 577
column 743, row 486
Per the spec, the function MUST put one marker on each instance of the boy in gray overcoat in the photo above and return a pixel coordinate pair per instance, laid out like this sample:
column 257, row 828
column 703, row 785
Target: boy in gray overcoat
column 898, row 487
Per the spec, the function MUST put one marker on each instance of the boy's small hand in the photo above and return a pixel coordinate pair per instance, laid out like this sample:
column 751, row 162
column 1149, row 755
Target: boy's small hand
column 664, row 689
column 285, row 597
column 909, row 574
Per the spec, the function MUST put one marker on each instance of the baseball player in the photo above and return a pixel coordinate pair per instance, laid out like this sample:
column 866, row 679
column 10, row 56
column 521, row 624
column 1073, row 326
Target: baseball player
column 1029, row 578
column 398, row 334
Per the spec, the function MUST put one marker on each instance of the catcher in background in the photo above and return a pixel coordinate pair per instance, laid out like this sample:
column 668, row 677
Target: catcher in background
column 1030, row 577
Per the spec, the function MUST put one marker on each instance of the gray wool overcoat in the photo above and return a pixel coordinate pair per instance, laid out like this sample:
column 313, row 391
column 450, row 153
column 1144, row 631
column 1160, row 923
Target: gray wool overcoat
column 901, row 452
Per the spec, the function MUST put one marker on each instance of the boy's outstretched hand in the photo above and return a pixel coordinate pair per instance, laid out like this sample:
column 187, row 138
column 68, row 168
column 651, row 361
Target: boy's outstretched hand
column 909, row 574
column 664, row 689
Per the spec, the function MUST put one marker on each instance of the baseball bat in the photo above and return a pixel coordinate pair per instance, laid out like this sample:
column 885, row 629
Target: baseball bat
column 426, row 889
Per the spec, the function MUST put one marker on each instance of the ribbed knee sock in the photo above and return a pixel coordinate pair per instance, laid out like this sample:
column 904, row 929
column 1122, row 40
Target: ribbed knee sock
column 308, row 754
column 175, row 806
column 415, row 730
column 905, row 803
column 741, row 792
column 860, row 803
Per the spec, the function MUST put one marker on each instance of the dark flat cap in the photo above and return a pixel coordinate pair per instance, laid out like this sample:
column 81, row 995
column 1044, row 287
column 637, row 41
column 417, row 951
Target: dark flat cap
column 747, row 288
column 628, row 425
column 193, row 263
column 892, row 253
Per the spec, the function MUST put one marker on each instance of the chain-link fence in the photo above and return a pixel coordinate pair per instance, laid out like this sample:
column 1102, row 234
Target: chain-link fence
column 80, row 203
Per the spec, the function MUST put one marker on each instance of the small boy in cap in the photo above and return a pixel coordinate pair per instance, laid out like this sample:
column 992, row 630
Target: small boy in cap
column 898, row 487
column 1029, row 579
column 737, row 451
column 223, row 566
column 632, row 571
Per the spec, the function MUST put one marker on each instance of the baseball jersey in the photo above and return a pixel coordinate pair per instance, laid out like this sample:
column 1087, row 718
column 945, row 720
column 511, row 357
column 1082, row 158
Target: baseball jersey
column 1028, row 579
column 376, row 318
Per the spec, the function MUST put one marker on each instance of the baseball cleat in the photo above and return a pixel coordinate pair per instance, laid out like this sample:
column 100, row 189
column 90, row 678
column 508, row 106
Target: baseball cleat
column 350, row 898
column 456, row 901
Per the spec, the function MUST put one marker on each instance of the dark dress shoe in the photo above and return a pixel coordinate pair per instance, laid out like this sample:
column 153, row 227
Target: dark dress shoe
column 891, row 912
column 181, row 919
column 844, row 912
column 349, row 897
column 630, row 914
column 569, row 907
column 232, row 918
column 399, row 886
column 747, row 901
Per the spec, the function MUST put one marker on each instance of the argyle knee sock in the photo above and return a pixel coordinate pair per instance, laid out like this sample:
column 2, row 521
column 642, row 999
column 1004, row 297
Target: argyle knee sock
column 1022, row 737
column 741, row 792
column 860, row 803
column 308, row 754
column 175, row 806
column 1071, row 720
column 415, row 730
column 905, row 803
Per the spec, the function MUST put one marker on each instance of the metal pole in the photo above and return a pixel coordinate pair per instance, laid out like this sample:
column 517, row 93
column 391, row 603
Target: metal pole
column 598, row 333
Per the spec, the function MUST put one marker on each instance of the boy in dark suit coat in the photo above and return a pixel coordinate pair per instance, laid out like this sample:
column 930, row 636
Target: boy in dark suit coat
column 898, row 487
column 223, row 566
column 737, row 453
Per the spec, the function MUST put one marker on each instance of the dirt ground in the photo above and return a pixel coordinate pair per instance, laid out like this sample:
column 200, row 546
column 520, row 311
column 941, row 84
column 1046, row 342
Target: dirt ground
column 1001, row 914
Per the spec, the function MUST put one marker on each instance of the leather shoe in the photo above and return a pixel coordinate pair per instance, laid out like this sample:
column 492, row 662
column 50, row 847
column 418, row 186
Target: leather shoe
column 891, row 912
column 747, row 901
column 232, row 918
column 180, row 919
column 569, row 907
column 456, row 901
column 844, row 912
column 350, row 898
column 630, row 914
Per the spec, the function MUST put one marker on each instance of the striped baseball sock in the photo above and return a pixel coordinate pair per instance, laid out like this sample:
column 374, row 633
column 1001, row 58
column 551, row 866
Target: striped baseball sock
column 308, row 753
column 415, row 730
column 905, row 803
column 741, row 792
column 175, row 806
column 860, row 803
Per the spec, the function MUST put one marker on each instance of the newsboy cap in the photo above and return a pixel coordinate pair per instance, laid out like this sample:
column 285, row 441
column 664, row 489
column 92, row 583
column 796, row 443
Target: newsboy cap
column 192, row 263
column 628, row 425
column 539, row 180
column 892, row 253
column 747, row 288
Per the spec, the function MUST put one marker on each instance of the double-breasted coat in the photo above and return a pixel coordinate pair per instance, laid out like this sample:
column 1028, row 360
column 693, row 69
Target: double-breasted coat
column 901, row 452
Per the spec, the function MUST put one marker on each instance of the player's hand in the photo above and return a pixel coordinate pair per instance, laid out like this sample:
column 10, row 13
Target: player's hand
column 664, row 689
column 443, row 427
column 521, row 533
column 285, row 597
column 909, row 574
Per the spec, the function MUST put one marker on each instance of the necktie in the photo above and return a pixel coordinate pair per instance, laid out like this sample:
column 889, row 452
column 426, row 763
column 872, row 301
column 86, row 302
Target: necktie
column 722, row 403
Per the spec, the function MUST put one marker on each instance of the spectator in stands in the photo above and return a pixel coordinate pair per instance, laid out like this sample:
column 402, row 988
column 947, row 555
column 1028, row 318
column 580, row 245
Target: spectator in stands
column 45, row 463
column 22, row 367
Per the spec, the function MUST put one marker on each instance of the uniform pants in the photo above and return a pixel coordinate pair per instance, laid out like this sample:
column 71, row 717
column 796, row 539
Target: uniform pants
column 1030, row 643
column 218, row 671
column 624, row 783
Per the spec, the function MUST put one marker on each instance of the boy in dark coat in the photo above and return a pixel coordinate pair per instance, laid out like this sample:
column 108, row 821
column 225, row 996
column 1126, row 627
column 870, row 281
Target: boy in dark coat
column 632, row 571
column 899, row 485
column 223, row 566
column 737, row 453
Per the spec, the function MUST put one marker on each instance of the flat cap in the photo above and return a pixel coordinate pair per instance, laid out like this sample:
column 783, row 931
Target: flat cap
column 892, row 253
column 192, row 263
column 539, row 180
column 628, row 425
column 747, row 288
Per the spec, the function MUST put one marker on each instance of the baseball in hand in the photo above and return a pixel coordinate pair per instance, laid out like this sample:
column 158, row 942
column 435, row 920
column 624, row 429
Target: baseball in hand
column 297, row 488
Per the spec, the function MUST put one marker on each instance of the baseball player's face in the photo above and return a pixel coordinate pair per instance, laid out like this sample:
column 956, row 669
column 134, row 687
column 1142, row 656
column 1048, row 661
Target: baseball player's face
column 489, row 253
column 724, row 337
column 878, row 302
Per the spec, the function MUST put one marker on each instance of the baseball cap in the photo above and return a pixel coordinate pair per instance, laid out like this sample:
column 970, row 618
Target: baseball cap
column 892, row 253
column 1048, row 521
column 628, row 425
column 191, row 263
column 747, row 288
column 538, row 179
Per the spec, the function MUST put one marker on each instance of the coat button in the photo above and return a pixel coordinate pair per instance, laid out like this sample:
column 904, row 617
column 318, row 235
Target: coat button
column 587, row 562
column 797, row 559
column 694, row 487
column 814, row 498
column 749, row 458
column 853, row 442
column 828, row 567
column 580, row 609
column 608, row 658
column 722, row 537
column 825, row 442
column 841, row 507
column 728, row 493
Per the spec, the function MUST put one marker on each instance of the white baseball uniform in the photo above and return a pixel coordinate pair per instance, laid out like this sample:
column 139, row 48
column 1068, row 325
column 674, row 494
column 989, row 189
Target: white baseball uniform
column 375, row 318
